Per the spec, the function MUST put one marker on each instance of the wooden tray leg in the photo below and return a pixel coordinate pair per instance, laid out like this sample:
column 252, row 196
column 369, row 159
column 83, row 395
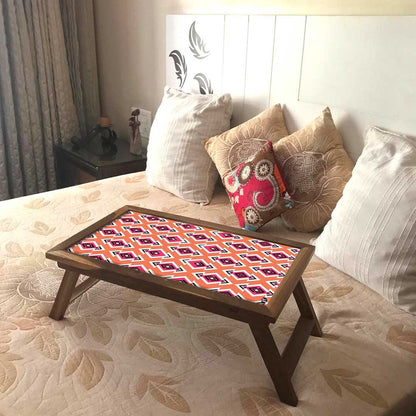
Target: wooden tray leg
column 64, row 295
column 305, row 307
column 274, row 363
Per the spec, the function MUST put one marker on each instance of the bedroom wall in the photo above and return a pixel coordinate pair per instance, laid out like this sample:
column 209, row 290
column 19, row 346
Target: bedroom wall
column 130, row 39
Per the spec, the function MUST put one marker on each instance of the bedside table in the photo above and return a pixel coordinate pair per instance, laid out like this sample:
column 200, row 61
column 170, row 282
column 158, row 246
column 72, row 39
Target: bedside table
column 80, row 166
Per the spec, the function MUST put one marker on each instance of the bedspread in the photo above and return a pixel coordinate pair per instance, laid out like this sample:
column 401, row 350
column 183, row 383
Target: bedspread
column 120, row 352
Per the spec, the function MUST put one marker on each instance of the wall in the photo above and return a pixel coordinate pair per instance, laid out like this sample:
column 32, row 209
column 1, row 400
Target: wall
column 130, row 38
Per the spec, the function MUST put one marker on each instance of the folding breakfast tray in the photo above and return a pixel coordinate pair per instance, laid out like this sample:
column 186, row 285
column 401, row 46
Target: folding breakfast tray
column 243, row 275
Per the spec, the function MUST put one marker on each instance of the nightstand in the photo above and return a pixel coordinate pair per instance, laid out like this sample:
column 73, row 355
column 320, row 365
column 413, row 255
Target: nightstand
column 80, row 166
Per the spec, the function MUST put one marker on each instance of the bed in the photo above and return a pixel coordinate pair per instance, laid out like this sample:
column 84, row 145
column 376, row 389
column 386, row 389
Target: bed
column 122, row 352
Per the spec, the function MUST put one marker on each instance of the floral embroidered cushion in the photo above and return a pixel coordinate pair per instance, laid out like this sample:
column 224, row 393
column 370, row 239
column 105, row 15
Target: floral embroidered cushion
column 234, row 146
column 315, row 168
column 256, row 189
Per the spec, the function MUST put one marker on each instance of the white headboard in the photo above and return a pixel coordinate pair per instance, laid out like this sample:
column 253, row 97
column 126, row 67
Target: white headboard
column 362, row 67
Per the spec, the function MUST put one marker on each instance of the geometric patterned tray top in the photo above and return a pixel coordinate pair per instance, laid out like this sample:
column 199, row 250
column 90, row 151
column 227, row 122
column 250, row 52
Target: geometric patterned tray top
column 248, row 268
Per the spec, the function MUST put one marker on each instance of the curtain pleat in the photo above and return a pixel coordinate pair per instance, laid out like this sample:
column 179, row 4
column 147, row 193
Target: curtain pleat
column 78, row 25
column 72, row 51
column 32, row 143
column 88, row 61
column 62, row 85
column 10, row 169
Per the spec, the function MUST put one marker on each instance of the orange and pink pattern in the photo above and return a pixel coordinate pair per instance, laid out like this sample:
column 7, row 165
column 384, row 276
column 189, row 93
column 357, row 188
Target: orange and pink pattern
column 244, row 267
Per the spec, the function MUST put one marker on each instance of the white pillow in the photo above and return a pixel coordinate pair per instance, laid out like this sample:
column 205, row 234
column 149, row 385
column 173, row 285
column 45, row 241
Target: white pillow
column 176, row 158
column 372, row 233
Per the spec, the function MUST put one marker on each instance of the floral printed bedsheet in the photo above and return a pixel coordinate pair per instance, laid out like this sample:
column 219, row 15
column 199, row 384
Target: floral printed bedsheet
column 120, row 352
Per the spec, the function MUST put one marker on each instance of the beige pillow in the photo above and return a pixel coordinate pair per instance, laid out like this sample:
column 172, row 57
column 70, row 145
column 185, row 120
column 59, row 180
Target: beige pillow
column 315, row 168
column 176, row 158
column 235, row 146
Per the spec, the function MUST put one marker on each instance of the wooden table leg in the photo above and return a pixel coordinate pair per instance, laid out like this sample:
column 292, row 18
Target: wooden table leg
column 274, row 363
column 64, row 295
column 305, row 307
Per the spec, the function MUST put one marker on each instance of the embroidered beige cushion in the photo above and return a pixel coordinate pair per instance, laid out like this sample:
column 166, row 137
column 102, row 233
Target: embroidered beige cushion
column 372, row 233
column 176, row 159
column 315, row 168
column 235, row 146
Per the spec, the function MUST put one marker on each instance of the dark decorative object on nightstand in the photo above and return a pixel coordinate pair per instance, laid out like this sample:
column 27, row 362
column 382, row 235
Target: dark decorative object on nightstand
column 100, row 140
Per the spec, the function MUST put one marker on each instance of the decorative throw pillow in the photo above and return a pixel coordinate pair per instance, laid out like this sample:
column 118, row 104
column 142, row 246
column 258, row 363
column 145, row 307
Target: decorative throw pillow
column 233, row 147
column 372, row 233
column 176, row 158
column 315, row 168
column 256, row 189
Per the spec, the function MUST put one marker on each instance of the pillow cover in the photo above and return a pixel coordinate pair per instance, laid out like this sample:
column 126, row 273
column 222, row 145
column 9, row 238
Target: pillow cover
column 176, row 158
column 233, row 147
column 256, row 189
column 372, row 233
column 315, row 168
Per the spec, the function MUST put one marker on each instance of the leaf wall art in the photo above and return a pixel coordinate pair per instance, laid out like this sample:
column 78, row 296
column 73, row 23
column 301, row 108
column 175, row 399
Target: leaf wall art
column 196, row 44
column 204, row 84
column 181, row 69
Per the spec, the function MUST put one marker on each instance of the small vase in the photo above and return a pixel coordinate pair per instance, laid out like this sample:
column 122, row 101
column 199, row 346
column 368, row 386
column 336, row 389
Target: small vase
column 135, row 142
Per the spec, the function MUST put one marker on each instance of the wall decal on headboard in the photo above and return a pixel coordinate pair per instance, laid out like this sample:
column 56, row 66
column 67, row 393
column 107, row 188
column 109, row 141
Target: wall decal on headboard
column 196, row 44
column 181, row 70
column 204, row 84
column 195, row 53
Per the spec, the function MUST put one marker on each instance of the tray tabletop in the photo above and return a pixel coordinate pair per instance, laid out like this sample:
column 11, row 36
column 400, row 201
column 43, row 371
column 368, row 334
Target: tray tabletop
column 249, row 267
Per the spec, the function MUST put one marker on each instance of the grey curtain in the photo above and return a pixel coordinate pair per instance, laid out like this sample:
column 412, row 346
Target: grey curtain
column 38, row 97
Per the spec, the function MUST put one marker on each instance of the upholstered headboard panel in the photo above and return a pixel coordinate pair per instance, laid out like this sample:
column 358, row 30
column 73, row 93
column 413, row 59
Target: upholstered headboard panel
column 362, row 67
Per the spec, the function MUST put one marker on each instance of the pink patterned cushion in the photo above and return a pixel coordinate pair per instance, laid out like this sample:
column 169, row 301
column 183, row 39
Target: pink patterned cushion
column 256, row 189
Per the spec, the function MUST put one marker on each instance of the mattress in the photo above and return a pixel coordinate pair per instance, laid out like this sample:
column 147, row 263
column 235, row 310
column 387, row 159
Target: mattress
column 120, row 352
